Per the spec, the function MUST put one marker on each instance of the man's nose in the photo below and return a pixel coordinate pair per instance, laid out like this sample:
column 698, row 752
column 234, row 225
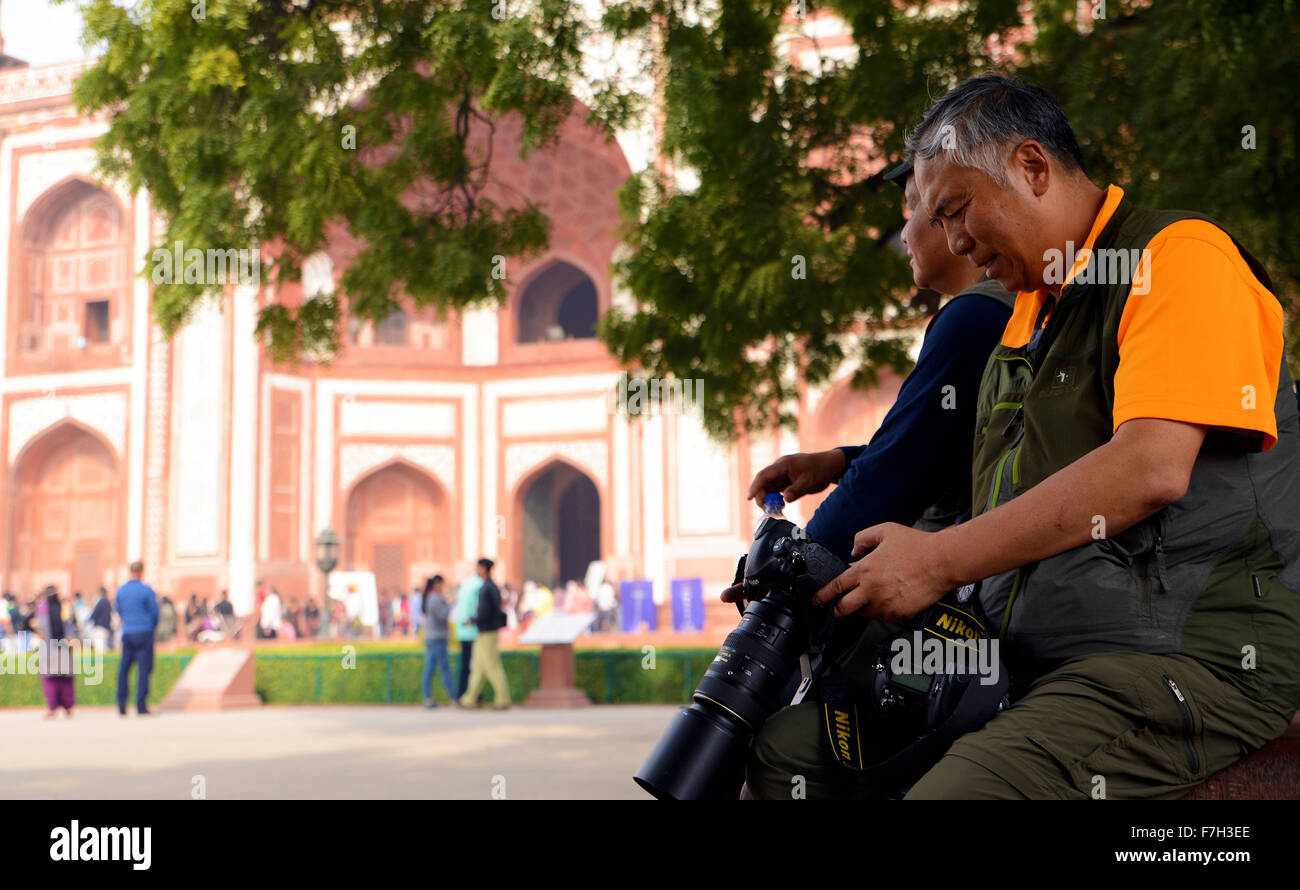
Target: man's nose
column 959, row 241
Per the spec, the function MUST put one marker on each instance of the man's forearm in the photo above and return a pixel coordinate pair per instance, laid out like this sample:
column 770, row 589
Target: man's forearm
column 1102, row 493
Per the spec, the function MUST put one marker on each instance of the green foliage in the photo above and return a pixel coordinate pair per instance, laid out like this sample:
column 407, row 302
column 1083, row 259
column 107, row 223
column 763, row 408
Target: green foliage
column 390, row 673
column 373, row 676
column 746, row 279
column 619, row 676
column 264, row 122
column 19, row 690
column 236, row 124
column 378, row 677
column 1160, row 95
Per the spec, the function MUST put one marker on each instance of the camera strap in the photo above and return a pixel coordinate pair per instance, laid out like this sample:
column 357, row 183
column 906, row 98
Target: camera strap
column 805, row 679
column 841, row 718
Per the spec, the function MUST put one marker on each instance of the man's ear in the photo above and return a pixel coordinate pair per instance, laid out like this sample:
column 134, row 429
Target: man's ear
column 1030, row 162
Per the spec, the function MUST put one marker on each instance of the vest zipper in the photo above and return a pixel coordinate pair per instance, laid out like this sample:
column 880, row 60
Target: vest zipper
column 1189, row 724
column 1001, row 470
column 1160, row 555
column 1015, row 480
column 997, row 482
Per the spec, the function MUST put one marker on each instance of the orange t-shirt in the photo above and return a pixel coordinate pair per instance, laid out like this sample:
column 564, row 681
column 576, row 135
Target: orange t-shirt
column 1200, row 339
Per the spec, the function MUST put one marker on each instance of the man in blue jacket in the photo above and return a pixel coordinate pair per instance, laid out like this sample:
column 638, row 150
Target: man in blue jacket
column 915, row 470
column 137, row 605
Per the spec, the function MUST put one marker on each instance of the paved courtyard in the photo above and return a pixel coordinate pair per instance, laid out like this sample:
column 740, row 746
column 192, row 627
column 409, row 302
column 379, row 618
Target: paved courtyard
column 330, row 752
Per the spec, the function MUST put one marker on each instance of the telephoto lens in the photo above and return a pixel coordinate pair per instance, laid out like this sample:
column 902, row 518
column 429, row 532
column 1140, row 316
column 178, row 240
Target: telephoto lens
column 702, row 754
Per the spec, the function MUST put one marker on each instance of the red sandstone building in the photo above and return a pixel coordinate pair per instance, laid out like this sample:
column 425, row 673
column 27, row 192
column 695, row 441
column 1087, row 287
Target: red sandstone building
column 425, row 445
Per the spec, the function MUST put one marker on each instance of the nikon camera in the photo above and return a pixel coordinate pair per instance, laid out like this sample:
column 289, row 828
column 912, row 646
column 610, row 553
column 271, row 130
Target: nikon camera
column 703, row 752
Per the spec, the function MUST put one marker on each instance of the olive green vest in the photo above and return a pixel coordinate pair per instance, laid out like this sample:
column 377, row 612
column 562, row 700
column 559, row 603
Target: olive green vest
column 1214, row 575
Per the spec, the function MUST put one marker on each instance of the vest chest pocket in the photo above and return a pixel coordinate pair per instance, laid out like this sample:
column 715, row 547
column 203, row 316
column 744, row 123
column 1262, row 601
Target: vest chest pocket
column 999, row 419
column 1002, row 391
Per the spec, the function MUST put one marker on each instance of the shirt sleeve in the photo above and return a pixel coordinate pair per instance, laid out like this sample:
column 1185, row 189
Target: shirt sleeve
column 1200, row 340
column 923, row 446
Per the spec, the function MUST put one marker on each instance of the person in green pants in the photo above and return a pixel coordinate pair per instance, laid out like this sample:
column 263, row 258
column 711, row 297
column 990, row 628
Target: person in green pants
column 485, row 663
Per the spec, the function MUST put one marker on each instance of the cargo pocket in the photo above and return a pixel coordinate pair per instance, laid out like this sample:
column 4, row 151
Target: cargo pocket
column 1158, row 758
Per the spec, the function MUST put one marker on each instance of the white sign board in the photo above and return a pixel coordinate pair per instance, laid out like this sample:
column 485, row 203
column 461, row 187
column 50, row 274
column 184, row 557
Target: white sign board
column 557, row 628
column 359, row 595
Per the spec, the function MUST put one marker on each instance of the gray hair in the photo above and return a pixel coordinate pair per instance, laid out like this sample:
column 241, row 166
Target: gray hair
column 981, row 120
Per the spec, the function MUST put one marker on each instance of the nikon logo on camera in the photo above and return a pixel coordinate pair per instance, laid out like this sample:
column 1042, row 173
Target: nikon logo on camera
column 956, row 627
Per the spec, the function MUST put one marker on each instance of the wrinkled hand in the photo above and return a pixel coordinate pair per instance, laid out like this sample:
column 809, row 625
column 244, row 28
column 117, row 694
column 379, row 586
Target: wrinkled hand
column 796, row 475
column 899, row 577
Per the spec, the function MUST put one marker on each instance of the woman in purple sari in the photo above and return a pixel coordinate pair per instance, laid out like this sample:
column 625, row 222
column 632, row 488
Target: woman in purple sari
column 54, row 654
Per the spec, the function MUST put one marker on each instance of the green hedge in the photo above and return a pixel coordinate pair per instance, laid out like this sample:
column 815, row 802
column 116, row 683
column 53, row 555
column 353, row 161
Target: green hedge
column 392, row 676
column 368, row 677
column 608, row 676
column 19, row 690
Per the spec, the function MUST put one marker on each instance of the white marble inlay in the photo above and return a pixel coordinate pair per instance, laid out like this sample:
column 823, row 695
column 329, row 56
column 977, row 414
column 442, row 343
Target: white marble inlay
column 104, row 412
column 589, row 455
column 367, row 417
column 356, row 459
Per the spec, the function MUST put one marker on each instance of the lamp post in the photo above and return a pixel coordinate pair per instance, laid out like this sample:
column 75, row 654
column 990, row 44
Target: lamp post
column 327, row 557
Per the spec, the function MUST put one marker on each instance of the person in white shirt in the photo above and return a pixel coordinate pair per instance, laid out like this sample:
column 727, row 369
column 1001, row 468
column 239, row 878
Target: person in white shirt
column 416, row 599
column 606, row 605
column 272, row 615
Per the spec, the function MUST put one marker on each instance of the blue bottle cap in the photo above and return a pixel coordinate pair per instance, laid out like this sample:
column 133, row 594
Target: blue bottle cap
column 773, row 500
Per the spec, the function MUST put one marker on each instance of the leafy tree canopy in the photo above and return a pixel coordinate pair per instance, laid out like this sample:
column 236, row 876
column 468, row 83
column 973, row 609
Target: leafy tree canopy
column 749, row 270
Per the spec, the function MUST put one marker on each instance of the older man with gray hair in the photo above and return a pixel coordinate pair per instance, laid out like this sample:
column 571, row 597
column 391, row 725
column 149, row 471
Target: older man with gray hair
column 1136, row 475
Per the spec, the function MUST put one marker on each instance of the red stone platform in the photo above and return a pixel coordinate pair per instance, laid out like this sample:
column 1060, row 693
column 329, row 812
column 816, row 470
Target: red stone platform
column 215, row 679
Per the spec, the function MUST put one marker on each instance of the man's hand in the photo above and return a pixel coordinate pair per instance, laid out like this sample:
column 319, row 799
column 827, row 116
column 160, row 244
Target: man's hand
column 898, row 578
column 796, row 475
column 733, row 594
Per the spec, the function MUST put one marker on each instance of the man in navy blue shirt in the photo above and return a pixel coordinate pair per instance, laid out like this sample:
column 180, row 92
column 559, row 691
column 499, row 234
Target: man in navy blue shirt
column 915, row 471
column 919, row 461
column 138, row 607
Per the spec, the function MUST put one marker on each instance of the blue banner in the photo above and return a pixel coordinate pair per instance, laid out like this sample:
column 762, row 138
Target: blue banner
column 637, row 605
column 688, row 604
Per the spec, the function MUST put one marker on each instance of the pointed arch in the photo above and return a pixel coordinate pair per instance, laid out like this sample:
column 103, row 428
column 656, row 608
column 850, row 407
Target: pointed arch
column 67, row 512
column 71, row 278
column 397, row 523
column 558, row 526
